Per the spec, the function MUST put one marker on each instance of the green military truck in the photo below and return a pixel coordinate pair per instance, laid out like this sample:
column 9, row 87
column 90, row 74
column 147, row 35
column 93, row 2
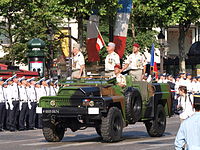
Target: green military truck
column 107, row 107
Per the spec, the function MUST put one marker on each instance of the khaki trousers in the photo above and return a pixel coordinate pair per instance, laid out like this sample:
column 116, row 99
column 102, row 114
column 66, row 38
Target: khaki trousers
column 136, row 74
column 75, row 74
column 111, row 73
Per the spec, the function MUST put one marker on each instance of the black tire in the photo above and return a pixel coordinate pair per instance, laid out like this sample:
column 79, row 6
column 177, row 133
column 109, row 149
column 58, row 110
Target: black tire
column 133, row 105
column 98, row 130
column 112, row 125
column 156, row 127
column 53, row 133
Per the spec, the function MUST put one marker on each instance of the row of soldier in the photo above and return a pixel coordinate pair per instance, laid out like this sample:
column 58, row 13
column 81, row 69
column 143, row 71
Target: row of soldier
column 19, row 98
column 182, row 79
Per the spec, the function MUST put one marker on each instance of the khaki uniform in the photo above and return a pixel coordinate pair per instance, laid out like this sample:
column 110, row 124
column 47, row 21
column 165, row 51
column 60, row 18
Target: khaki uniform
column 77, row 62
column 136, row 64
column 110, row 62
column 121, row 79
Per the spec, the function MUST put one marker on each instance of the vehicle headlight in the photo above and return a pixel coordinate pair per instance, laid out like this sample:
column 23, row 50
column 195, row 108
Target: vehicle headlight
column 91, row 103
column 53, row 103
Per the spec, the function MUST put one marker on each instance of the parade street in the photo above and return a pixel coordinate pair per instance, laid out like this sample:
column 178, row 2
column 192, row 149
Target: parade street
column 135, row 137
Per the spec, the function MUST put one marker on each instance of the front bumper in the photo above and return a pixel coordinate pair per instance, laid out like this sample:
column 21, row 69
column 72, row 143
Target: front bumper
column 72, row 111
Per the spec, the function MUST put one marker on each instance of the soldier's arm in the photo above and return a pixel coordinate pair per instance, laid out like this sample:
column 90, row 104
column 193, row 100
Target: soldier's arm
column 180, row 138
column 81, row 70
column 144, row 69
column 124, row 68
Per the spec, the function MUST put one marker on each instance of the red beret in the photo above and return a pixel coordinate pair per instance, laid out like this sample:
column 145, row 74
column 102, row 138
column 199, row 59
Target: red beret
column 117, row 66
column 136, row 45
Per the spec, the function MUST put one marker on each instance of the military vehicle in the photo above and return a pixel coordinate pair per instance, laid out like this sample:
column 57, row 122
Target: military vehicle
column 107, row 107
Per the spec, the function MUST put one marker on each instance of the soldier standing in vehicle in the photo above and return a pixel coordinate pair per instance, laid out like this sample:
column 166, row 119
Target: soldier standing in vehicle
column 136, row 62
column 120, row 79
column 78, row 62
column 111, row 60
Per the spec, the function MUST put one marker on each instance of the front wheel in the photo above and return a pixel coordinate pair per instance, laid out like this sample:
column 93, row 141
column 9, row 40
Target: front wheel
column 53, row 133
column 156, row 127
column 112, row 125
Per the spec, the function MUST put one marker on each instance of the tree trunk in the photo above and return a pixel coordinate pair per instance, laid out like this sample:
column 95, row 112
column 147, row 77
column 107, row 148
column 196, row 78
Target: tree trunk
column 111, row 28
column 183, row 28
column 11, row 50
column 133, row 29
column 80, row 30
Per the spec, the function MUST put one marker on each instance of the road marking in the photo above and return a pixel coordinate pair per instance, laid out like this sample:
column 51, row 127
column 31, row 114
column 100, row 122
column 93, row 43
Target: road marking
column 157, row 146
column 73, row 144
column 141, row 140
column 21, row 140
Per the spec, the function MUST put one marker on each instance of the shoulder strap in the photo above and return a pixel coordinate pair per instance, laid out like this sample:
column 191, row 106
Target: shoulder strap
column 189, row 98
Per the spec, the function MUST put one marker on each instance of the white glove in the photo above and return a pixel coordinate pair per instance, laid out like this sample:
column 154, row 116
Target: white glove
column 11, row 106
column 29, row 105
column 20, row 106
column 7, row 106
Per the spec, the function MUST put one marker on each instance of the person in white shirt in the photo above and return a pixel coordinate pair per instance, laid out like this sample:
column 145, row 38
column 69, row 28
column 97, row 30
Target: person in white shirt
column 194, row 85
column 198, row 84
column 23, row 105
column 182, row 79
column 6, row 94
column 32, row 104
column 188, row 82
column 52, row 89
column 136, row 62
column 120, row 79
column 185, row 103
column 56, row 86
column 111, row 60
column 2, row 105
column 78, row 62
column 44, row 87
column 13, row 100
column 161, row 78
column 39, row 94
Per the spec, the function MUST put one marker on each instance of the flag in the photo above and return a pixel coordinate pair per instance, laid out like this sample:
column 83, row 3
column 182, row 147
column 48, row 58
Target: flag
column 100, row 43
column 152, row 56
column 92, row 35
column 155, row 70
column 121, row 26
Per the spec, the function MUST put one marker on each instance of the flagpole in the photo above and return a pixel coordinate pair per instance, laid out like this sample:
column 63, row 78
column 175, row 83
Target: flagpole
column 99, row 33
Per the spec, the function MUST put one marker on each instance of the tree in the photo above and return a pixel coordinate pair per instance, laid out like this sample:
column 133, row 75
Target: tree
column 164, row 13
column 26, row 19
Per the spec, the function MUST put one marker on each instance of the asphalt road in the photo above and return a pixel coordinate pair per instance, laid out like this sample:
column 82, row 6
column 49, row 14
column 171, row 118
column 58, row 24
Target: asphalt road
column 135, row 137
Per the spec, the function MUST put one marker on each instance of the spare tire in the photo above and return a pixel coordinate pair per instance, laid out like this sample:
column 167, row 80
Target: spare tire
column 133, row 105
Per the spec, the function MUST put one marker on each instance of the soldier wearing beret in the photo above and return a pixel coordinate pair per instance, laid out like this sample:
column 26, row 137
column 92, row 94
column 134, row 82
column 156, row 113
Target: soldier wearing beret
column 120, row 79
column 136, row 62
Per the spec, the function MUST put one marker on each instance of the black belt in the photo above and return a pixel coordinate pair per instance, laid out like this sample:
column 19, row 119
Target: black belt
column 75, row 70
column 109, row 71
column 135, row 69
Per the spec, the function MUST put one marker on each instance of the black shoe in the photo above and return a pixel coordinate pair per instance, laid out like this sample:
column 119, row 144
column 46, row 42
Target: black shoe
column 12, row 130
column 32, row 128
column 21, row 129
column 1, row 130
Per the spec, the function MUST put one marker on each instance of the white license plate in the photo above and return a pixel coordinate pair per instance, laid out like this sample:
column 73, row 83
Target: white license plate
column 39, row 110
column 93, row 111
